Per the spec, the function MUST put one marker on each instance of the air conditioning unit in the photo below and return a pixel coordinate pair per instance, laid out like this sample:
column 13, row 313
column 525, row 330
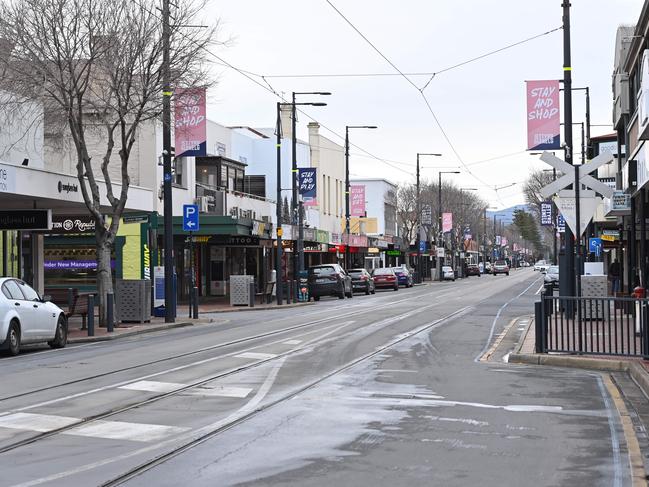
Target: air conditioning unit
column 203, row 203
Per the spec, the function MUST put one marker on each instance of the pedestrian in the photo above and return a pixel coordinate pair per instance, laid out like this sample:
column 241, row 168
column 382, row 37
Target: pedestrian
column 614, row 276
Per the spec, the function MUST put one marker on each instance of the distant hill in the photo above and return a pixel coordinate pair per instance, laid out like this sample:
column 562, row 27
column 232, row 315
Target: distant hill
column 506, row 215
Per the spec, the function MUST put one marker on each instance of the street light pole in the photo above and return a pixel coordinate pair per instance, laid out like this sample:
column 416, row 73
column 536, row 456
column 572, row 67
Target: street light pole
column 279, row 283
column 297, row 207
column 347, row 213
column 420, row 276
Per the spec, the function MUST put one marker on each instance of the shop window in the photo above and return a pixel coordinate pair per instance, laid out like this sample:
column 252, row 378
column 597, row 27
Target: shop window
column 71, row 265
column 177, row 164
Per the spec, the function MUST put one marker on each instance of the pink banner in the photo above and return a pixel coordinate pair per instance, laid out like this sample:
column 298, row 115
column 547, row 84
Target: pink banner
column 357, row 200
column 543, row 117
column 190, row 122
column 447, row 222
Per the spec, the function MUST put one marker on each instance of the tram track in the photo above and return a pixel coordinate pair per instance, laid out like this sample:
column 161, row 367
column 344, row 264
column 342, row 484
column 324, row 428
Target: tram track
column 318, row 341
column 206, row 433
column 215, row 347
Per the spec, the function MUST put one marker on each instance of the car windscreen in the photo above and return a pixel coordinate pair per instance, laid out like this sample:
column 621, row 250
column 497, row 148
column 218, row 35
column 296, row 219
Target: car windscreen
column 322, row 271
column 553, row 269
column 501, row 262
column 355, row 273
column 383, row 272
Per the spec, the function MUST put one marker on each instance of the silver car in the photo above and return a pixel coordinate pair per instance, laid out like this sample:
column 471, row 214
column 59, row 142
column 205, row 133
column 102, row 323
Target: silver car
column 552, row 275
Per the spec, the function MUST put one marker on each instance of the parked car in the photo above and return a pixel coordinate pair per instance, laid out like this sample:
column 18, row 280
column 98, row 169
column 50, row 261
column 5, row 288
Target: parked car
column 404, row 276
column 385, row 277
column 472, row 270
column 500, row 267
column 448, row 274
column 541, row 265
column 26, row 317
column 329, row 280
column 552, row 275
column 362, row 281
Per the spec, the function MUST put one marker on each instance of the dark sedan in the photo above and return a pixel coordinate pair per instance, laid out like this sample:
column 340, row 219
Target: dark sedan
column 362, row 281
column 329, row 280
column 404, row 276
column 385, row 278
column 472, row 270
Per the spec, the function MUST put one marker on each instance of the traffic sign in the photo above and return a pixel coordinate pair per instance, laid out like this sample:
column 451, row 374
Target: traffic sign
column 595, row 246
column 190, row 218
column 422, row 246
column 584, row 172
column 588, row 203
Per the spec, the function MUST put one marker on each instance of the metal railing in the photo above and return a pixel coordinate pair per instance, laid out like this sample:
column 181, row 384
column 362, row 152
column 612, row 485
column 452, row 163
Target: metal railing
column 592, row 326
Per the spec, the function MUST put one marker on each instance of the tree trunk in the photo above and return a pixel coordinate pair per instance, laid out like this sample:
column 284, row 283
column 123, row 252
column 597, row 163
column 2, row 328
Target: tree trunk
column 104, row 271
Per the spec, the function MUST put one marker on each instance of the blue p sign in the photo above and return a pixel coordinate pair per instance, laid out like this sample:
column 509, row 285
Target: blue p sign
column 190, row 218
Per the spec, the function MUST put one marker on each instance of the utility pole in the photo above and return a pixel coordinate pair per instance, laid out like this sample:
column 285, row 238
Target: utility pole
column 570, row 267
column 170, row 298
column 279, row 282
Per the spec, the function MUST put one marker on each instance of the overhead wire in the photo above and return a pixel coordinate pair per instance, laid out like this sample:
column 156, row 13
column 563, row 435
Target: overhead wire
column 421, row 90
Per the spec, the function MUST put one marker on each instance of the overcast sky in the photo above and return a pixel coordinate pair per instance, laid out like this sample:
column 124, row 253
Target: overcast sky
column 481, row 105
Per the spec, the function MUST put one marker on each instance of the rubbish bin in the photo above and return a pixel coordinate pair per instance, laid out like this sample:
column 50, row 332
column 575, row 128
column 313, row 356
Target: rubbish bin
column 133, row 300
column 303, row 287
column 240, row 290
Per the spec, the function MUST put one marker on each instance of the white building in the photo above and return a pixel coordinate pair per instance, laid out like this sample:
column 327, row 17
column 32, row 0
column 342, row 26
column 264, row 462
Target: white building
column 381, row 203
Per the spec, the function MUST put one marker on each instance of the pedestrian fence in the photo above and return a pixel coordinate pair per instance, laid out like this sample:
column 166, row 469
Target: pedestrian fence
column 592, row 326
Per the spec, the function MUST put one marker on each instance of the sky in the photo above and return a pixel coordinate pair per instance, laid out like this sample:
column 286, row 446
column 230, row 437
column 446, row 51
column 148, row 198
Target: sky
column 480, row 106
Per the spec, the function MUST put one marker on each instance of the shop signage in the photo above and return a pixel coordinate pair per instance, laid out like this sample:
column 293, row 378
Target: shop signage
column 190, row 122
column 287, row 232
column 136, row 219
column 543, row 117
column 25, row 219
column 393, row 253
column 67, row 187
column 77, row 224
column 310, row 234
column 308, row 179
column 322, row 236
column 373, row 250
column 546, row 213
column 7, row 179
column 355, row 240
column 357, row 199
column 237, row 240
column 335, row 238
column 316, row 248
column 382, row 244
column 621, row 201
column 261, row 228
column 447, row 222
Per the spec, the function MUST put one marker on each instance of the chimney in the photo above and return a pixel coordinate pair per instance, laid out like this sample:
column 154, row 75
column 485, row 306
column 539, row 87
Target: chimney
column 287, row 129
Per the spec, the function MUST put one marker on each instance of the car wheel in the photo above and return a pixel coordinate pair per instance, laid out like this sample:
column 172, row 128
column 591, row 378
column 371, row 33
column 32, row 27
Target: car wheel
column 506, row 273
column 13, row 338
column 316, row 298
column 61, row 335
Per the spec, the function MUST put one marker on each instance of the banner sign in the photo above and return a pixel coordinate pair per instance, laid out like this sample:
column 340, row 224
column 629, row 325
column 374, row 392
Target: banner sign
column 503, row 241
column 497, row 239
column 546, row 213
column 190, row 122
column 426, row 215
column 543, row 117
column 561, row 223
column 308, row 177
column 447, row 222
column 357, row 199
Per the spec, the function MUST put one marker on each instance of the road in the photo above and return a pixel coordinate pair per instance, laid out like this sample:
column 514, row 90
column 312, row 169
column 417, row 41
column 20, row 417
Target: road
column 383, row 390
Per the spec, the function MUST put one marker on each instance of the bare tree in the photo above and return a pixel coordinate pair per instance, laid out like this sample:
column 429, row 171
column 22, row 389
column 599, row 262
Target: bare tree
column 532, row 189
column 96, row 67
column 407, row 212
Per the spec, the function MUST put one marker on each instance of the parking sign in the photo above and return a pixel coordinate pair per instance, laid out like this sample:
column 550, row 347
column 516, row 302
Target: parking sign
column 190, row 218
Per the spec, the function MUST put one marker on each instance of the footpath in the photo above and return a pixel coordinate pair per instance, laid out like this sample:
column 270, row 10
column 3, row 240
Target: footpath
column 78, row 334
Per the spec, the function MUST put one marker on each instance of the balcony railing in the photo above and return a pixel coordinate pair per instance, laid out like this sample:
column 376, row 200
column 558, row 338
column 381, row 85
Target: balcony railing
column 224, row 202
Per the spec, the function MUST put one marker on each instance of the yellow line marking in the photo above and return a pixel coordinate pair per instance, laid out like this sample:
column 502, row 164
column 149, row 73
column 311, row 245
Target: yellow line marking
column 638, row 473
column 498, row 340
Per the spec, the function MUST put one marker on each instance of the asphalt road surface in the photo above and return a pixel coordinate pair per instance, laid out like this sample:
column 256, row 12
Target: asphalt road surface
column 383, row 390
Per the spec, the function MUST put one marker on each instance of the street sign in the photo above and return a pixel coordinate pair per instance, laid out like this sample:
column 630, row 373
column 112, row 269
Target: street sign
column 426, row 215
column 588, row 203
column 595, row 246
column 190, row 218
column 561, row 224
column 422, row 246
column 584, row 172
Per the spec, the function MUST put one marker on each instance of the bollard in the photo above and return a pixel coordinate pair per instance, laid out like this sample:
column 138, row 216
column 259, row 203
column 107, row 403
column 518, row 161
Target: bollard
column 251, row 294
column 91, row 315
column 195, row 293
column 538, row 325
column 110, row 322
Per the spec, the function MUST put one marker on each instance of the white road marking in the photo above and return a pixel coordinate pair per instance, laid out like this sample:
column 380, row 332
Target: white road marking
column 153, row 386
column 256, row 355
column 292, row 342
column 119, row 430
column 114, row 430
column 221, row 391
column 35, row 422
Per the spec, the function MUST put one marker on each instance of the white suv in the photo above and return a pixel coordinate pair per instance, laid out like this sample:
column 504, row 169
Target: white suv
column 541, row 265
